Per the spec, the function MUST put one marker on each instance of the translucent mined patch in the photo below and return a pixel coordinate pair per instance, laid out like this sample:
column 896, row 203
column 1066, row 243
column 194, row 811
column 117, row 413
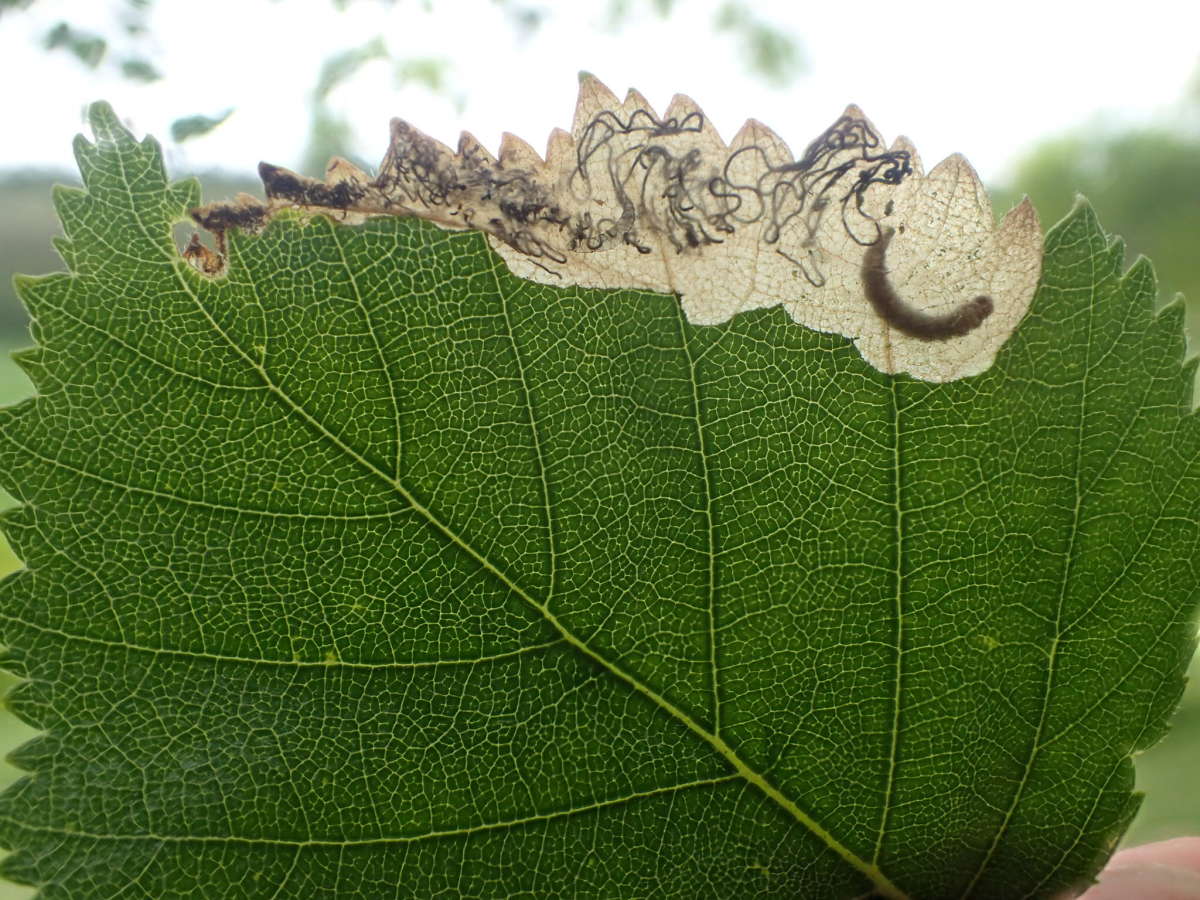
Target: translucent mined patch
column 631, row 199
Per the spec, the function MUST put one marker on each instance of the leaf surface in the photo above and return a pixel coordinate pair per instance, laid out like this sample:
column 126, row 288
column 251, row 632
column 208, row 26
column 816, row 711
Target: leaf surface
column 369, row 569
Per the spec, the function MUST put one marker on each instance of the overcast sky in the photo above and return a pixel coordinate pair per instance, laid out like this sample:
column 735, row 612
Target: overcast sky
column 983, row 79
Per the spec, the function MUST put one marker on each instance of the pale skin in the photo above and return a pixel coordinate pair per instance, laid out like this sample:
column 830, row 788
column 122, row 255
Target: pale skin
column 1166, row 870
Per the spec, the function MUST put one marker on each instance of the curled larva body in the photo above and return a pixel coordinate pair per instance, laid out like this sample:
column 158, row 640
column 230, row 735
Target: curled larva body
column 904, row 318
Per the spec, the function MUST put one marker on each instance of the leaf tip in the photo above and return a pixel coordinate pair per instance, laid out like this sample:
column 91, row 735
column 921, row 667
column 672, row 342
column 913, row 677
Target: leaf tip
column 1082, row 211
column 106, row 125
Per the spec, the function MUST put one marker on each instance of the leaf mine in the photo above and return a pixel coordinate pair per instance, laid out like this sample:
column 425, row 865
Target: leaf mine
column 633, row 199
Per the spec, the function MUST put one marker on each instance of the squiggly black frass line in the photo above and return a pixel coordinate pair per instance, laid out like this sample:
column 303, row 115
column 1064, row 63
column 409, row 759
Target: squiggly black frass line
column 417, row 172
column 672, row 194
column 661, row 185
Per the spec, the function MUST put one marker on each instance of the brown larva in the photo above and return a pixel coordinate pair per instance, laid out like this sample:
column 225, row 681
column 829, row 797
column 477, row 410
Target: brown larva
column 904, row 318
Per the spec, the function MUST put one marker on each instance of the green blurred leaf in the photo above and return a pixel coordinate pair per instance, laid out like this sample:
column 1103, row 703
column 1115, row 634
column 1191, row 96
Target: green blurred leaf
column 1144, row 181
column 139, row 70
column 343, row 65
column 619, row 11
column 368, row 569
column 343, row 5
column 194, row 126
column 88, row 48
column 770, row 53
column 526, row 19
column 329, row 135
column 427, row 72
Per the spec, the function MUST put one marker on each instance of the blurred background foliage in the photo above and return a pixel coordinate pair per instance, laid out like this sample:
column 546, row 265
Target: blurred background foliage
column 1143, row 180
column 1144, row 183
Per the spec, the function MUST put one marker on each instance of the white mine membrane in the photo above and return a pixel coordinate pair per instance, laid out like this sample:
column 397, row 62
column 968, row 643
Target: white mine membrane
column 631, row 199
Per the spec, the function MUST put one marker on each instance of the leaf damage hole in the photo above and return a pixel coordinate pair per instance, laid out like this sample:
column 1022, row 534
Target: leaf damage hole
column 205, row 259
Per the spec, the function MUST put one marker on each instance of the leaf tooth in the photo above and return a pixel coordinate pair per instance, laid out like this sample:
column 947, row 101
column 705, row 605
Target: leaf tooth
column 902, row 144
column 12, row 660
column 31, row 361
column 854, row 111
column 339, row 171
column 37, row 753
column 594, row 98
column 754, row 133
column 966, row 197
column 66, row 251
column 516, row 153
column 87, row 158
column 31, row 700
column 21, row 867
column 33, row 288
column 686, row 111
column 560, row 150
column 635, row 100
column 70, row 204
column 1021, row 218
column 185, row 195
column 469, row 145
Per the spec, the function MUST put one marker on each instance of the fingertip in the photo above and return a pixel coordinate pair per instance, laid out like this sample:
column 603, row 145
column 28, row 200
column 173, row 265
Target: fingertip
column 1183, row 853
column 1146, row 880
column 1166, row 870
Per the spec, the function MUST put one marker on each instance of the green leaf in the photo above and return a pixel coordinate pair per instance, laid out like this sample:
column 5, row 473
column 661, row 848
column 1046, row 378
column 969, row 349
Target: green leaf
column 429, row 72
column 139, row 70
column 342, row 66
column 85, row 46
column 769, row 51
column 368, row 569
column 196, row 126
